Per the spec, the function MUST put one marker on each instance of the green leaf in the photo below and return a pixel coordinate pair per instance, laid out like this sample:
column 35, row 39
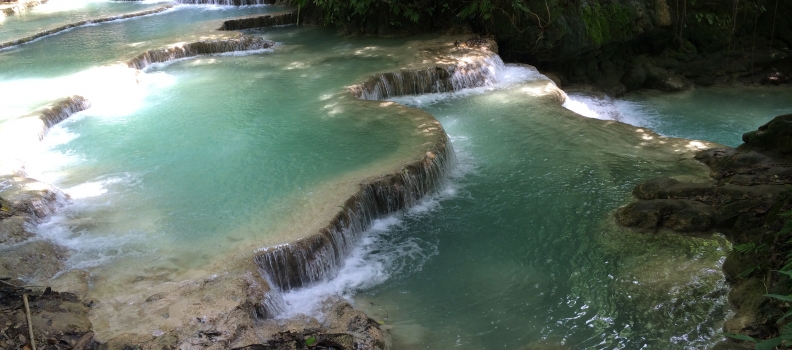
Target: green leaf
column 785, row 316
column 788, row 273
column 744, row 248
column 786, row 229
column 769, row 344
column 779, row 297
column 786, row 333
column 739, row 337
column 310, row 341
column 748, row 272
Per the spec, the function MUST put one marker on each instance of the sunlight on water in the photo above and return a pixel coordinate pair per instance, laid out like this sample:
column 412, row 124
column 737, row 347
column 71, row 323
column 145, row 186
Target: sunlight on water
column 716, row 114
column 186, row 168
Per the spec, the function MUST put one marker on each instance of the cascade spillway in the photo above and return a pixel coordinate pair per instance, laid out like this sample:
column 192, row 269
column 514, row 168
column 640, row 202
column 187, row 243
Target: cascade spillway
column 202, row 198
column 319, row 257
column 242, row 43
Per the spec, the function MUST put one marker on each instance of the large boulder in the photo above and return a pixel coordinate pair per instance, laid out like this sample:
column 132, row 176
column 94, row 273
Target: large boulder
column 775, row 136
column 668, row 188
column 680, row 215
column 32, row 261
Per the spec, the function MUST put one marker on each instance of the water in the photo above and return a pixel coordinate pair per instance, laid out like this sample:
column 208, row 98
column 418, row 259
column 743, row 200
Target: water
column 29, row 79
column 56, row 13
column 205, row 160
column 189, row 176
column 520, row 249
column 716, row 114
column 88, row 46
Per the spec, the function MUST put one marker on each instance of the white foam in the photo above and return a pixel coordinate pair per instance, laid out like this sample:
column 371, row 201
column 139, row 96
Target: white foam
column 362, row 269
column 215, row 7
column 638, row 114
column 605, row 108
column 74, row 226
column 384, row 251
column 204, row 59
column 590, row 106
column 509, row 76
column 86, row 190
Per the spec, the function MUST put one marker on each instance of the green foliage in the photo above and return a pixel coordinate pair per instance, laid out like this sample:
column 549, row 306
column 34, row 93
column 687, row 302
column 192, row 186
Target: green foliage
column 787, row 314
column 767, row 344
column 603, row 23
column 740, row 337
column 780, row 297
column 787, row 223
column 721, row 21
column 749, row 248
column 749, row 271
column 310, row 341
column 399, row 12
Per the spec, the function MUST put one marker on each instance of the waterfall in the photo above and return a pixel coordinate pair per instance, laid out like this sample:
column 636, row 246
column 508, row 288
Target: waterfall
column 461, row 75
column 315, row 258
column 242, row 43
column 318, row 257
column 61, row 111
column 30, row 196
column 68, row 26
column 20, row 6
column 38, row 199
column 277, row 19
column 227, row 2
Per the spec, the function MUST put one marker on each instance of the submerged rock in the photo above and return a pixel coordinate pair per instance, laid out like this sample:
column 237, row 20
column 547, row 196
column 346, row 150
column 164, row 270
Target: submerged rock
column 30, row 197
column 343, row 328
column 665, row 187
column 13, row 231
column 35, row 261
column 676, row 214
column 750, row 189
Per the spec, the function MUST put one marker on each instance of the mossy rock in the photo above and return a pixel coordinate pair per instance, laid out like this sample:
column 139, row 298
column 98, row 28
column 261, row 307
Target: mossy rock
column 676, row 214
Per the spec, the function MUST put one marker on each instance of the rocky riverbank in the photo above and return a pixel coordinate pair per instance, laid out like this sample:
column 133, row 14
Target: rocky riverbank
column 615, row 45
column 750, row 192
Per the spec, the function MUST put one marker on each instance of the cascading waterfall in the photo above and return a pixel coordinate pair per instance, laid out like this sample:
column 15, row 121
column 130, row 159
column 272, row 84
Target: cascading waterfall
column 37, row 199
column 277, row 19
column 462, row 75
column 21, row 6
column 315, row 258
column 242, row 43
column 80, row 23
column 61, row 111
column 227, row 2
column 319, row 257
